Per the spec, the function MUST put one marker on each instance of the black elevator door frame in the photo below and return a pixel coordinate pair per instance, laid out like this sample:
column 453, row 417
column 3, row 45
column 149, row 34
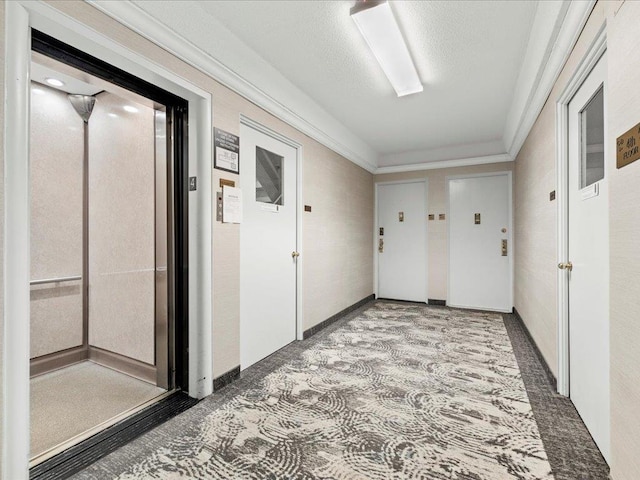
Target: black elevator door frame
column 177, row 121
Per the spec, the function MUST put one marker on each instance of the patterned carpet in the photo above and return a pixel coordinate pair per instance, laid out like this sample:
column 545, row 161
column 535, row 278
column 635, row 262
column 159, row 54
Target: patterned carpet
column 398, row 392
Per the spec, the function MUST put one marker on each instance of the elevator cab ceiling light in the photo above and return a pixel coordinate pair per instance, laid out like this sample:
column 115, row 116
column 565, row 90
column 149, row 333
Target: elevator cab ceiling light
column 130, row 109
column 54, row 82
column 380, row 30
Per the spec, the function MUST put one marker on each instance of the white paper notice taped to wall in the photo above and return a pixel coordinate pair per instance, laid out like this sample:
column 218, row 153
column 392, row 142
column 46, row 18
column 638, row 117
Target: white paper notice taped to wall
column 231, row 205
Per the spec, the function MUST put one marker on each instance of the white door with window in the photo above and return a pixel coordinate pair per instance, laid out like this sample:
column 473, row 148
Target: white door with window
column 402, row 241
column 588, row 266
column 480, row 246
column 268, row 247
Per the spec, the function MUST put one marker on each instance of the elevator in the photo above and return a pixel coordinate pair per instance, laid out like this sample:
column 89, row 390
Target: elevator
column 107, row 204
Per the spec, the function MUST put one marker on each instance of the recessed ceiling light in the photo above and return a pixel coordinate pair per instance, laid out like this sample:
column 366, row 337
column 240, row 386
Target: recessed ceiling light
column 54, row 82
column 130, row 109
column 37, row 91
column 112, row 115
column 381, row 32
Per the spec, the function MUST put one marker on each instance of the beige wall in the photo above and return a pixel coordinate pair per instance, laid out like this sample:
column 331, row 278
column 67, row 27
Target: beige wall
column 338, row 264
column 57, row 150
column 536, row 230
column 122, row 228
column 2, row 280
column 623, row 38
column 535, row 215
column 437, row 236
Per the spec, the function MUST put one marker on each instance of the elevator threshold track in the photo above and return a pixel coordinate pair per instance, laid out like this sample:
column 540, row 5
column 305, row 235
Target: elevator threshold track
column 124, row 429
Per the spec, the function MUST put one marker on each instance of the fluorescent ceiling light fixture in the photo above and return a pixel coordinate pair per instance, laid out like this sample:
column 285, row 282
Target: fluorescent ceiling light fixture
column 37, row 91
column 130, row 109
column 381, row 32
column 54, row 82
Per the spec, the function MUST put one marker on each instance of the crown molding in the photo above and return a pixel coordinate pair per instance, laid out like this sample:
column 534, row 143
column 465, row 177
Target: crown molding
column 450, row 152
column 325, row 129
column 460, row 162
column 554, row 33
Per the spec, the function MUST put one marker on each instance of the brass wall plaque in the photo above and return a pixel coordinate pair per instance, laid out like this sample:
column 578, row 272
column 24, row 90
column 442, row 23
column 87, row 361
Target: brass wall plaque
column 476, row 219
column 432, row 216
column 307, row 208
column 628, row 147
column 228, row 183
column 441, row 216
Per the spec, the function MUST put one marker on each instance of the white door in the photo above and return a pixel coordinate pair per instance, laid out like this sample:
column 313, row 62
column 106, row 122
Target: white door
column 402, row 241
column 480, row 247
column 267, row 245
column 589, row 256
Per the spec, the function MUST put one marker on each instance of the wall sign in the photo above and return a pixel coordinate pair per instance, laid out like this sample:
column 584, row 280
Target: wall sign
column 226, row 151
column 628, row 147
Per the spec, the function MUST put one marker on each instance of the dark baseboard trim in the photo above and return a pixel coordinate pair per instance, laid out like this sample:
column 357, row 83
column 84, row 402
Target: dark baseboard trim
column 100, row 445
column 54, row 361
column 551, row 377
column 130, row 366
column 325, row 323
column 433, row 301
column 396, row 300
column 226, row 378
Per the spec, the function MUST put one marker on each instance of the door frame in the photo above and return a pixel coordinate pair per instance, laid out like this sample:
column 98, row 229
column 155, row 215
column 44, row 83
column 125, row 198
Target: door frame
column 248, row 122
column 20, row 16
column 510, row 236
column 593, row 54
column 376, row 279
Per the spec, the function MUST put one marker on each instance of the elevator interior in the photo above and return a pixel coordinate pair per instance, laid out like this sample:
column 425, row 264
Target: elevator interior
column 100, row 189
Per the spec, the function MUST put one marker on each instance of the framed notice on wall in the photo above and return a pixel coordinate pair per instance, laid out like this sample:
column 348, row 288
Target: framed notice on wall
column 226, row 151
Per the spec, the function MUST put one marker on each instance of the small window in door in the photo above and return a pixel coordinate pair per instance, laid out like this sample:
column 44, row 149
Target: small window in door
column 592, row 141
column 269, row 175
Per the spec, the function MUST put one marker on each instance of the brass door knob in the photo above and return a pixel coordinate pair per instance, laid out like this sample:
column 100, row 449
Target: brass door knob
column 565, row 266
column 295, row 254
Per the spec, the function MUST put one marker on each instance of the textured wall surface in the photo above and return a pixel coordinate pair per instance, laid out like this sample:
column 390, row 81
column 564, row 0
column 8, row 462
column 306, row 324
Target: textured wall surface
column 57, row 150
column 536, row 288
column 338, row 270
column 624, row 113
column 536, row 229
column 122, row 228
column 2, row 279
column 437, row 230
column 536, row 236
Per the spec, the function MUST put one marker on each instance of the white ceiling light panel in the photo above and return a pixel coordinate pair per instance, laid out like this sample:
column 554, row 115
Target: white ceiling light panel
column 382, row 33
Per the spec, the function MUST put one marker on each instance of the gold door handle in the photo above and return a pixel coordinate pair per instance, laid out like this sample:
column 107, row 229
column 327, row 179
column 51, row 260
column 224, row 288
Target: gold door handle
column 295, row 254
column 565, row 266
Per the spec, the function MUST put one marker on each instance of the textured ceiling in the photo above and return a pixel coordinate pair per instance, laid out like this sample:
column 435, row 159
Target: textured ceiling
column 468, row 55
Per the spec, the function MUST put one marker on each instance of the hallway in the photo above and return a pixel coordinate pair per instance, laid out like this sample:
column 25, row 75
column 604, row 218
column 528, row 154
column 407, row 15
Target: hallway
column 391, row 389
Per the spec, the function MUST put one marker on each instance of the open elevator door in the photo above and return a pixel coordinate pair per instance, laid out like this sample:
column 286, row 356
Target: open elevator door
column 165, row 363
